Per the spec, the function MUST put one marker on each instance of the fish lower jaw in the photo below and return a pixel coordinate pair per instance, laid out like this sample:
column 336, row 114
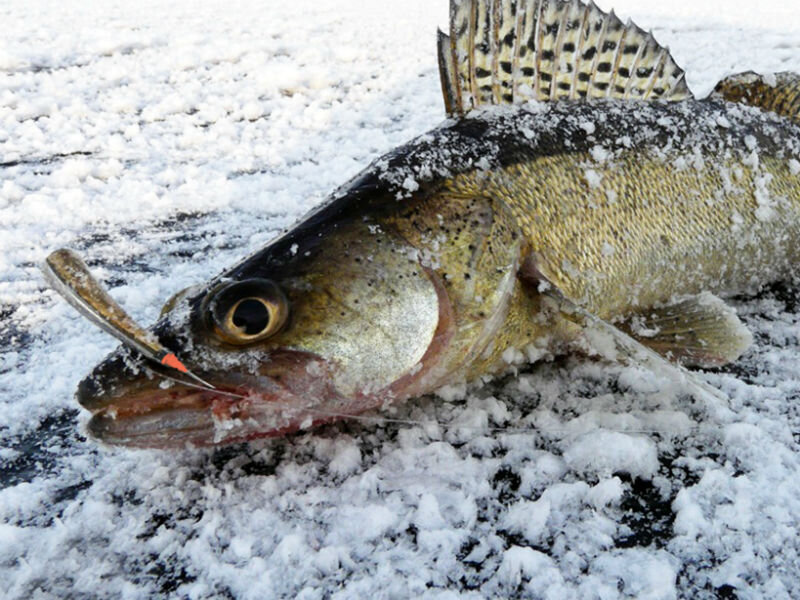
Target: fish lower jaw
column 205, row 418
column 200, row 418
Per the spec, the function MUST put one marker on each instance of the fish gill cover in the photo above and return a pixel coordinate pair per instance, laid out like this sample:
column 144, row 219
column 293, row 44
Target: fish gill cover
column 166, row 143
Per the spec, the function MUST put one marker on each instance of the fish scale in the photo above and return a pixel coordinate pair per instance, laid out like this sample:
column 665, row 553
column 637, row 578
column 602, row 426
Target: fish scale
column 657, row 228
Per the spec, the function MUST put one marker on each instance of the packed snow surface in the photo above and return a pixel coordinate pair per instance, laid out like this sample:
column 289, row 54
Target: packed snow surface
column 166, row 140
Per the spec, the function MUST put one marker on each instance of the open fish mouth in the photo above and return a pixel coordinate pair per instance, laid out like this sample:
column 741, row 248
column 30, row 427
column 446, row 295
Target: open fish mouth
column 187, row 417
column 134, row 406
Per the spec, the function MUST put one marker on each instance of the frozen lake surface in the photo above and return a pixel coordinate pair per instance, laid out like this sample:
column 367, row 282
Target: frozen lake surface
column 164, row 143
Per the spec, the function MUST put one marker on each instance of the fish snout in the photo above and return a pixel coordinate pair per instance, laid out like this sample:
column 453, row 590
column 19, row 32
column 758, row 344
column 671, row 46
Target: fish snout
column 116, row 376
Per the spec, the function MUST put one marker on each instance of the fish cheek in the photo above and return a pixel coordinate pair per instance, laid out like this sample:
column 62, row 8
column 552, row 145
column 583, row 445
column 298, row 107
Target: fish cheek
column 367, row 307
column 473, row 243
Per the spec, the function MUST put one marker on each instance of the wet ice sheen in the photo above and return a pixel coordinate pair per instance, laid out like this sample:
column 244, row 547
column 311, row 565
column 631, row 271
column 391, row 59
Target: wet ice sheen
column 165, row 143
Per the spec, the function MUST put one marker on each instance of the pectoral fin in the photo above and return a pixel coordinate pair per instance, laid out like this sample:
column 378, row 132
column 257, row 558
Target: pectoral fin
column 700, row 331
column 610, row 342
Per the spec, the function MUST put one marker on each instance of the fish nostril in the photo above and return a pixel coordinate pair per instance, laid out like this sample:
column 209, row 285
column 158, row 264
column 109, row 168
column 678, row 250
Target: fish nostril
column 89, row 392
column 117, row 372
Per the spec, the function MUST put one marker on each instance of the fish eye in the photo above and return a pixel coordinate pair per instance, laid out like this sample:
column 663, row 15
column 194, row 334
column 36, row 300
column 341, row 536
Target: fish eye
column 244, row 312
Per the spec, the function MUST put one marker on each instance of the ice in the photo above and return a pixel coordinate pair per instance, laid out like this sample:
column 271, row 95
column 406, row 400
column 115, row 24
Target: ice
column 165, row 142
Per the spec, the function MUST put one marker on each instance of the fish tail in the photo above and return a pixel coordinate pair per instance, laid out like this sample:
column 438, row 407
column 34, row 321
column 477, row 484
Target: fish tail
column 777, row 92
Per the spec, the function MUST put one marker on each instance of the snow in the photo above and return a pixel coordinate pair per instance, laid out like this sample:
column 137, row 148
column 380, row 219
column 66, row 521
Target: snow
column 166, row 142
column 604, row 452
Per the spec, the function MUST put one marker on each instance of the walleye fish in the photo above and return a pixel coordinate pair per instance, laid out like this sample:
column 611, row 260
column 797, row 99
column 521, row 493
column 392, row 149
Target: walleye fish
column 577, row 196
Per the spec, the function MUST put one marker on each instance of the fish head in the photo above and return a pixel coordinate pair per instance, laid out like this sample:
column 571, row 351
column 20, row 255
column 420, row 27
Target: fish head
column 337, row 317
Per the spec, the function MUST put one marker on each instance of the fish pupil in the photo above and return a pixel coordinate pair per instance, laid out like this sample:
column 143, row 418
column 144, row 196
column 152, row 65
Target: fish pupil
column 252, row 316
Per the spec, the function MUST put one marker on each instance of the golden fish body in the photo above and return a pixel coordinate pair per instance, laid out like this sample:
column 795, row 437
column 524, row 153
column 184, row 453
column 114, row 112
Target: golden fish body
column 621, row 207
column 641, row 205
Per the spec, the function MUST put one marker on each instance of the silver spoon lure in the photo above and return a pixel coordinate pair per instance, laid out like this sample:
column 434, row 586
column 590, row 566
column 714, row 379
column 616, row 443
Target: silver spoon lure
column 70, row 277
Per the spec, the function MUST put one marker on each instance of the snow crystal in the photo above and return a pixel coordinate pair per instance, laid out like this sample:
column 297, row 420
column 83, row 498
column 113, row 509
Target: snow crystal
column 428, row 515
column 599, row 153
column 588, row 126
column 752, row 160
column 346, row 458
column 525, row 563
column 605, row 452
column 743, row 441
column 529, row 519
column 723, row 121
column 512, row 356
column 643, row 575
column 410, row 184
column 593, row 178
column 608, row 491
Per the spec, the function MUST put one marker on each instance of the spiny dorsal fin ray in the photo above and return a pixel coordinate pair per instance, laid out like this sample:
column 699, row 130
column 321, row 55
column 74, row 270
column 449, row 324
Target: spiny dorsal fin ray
column 447, row 75
column 513, row 51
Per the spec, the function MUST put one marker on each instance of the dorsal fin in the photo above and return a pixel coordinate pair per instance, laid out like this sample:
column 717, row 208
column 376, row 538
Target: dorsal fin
column 513, row 51
column 778, row 93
